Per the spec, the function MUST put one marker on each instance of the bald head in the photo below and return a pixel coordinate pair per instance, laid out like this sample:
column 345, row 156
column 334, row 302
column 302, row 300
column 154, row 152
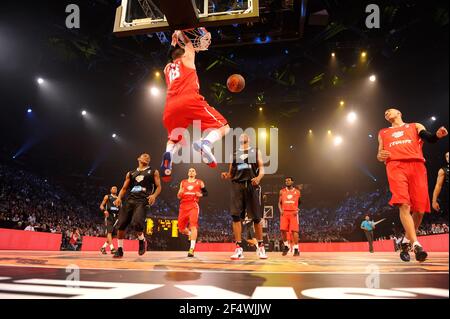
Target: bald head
column 392, row 114
column 244, row 139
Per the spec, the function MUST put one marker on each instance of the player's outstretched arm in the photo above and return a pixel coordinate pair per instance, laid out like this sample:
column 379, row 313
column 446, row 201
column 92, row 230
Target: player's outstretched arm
column 429, row 137
column 189, row 51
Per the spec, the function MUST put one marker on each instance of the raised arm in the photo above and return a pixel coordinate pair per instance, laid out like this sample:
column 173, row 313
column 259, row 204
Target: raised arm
column 189, row 51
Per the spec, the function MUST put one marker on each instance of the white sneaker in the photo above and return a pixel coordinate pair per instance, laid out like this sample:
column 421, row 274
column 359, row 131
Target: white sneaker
column 238, row 254
column 262, row 252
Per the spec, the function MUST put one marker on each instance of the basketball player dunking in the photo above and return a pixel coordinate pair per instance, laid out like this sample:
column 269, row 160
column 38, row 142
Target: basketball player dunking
column 145, row 186
column 288, row 205
column 184, row 104
column 246, row 172
column 111, row 213
column 400, row 147
column 191, row 190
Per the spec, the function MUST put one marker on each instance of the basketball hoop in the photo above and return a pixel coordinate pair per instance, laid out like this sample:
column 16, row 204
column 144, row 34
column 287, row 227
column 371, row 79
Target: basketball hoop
column 200, row 38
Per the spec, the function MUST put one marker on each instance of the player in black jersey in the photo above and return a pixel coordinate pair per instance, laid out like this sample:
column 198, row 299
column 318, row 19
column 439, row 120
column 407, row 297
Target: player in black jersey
column 111, row 213
column 144, row 186
column 441, row 190
column 246, row 172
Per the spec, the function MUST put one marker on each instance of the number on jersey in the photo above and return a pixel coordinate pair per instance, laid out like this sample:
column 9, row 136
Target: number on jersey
column 174, row 72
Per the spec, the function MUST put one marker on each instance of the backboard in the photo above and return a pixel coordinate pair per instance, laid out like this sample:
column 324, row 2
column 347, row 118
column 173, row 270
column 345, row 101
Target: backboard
column 151, row 16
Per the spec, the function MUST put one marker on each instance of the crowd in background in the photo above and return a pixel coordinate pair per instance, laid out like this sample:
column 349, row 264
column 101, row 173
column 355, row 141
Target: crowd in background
column 32, row 203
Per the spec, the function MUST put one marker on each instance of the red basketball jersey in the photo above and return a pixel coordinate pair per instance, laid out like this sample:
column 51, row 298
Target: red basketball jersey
column 180, row 79
column 403, row 142
column 289, row 199
column 190, row 190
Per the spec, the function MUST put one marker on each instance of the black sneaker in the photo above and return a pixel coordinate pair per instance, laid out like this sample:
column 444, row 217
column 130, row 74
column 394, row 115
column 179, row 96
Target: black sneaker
column 142, row 247
column 421, row 255
column 113, row 251
column 118, row 253
column 103, row 250
column 285, row 250
column 404, row 252
column 296, row 252
column 190, row 253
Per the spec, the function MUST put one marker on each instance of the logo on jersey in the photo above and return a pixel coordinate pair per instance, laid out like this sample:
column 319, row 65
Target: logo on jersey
column 289, row 196
column 139, row 178
column 398, row 134
column 243, row 157
column 190, row 187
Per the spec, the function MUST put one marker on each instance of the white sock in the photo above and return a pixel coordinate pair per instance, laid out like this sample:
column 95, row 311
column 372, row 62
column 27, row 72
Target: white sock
column 173, row 148
column 141, row 237
column 286, row 243
column 295, row 246
column 192, row 244
column 416, row 243
column 120, row 243
column 111, row 246
column 405, row 240
column 213, row 136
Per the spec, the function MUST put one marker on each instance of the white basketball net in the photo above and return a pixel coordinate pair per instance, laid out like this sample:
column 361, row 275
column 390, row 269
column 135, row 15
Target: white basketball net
column 200, row 38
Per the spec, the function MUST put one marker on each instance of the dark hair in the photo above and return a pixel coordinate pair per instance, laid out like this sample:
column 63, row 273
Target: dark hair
column 176, row 53
column 290, row 177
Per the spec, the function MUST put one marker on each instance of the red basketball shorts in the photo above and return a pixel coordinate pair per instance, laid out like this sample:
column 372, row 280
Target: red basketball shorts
column 181, row 111
column 188, row 215
column 408, row 183
column 289, row 221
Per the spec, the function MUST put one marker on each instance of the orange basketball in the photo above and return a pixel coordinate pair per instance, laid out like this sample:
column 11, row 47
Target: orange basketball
column 236, row 83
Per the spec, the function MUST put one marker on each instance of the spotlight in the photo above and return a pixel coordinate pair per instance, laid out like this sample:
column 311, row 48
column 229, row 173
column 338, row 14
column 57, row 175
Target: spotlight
column 372, row 78
column 363, row 54
column 114, row 135
column 40, row 81
column 341, row 103
column 261, row 109
column 333, row 54
column 291, row 147
column 310, row 131
column 329, row 132
column 337, row 141
column 84, row 113
column 433, row 118
column 154, row 91
column 370, row 136
column 351, row 117
column 157, row 74
column 29, row 111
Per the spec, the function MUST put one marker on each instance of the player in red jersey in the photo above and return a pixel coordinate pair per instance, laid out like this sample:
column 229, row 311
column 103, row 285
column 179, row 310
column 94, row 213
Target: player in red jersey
column 400, row 148
column 184, row 104
column 191, row 190
column 288, row 205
